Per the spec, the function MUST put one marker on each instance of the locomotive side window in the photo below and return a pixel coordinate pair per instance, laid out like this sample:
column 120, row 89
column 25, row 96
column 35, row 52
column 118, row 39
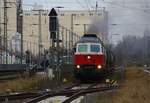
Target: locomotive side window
column 95, row 48
column 82, row 48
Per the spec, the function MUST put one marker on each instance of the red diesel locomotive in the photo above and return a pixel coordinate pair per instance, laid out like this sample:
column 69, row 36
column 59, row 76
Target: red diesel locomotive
column 92, row 60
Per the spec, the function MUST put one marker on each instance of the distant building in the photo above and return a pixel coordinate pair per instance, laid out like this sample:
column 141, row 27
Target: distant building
column 78, row 21
column 11, row 19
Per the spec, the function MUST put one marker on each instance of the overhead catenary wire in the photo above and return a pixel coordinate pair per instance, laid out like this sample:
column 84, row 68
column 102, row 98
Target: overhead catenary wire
column 89, row 2
column 84, row 7
column 127, row 7
column 78, row 2
column 111, row 3
column 87, row 5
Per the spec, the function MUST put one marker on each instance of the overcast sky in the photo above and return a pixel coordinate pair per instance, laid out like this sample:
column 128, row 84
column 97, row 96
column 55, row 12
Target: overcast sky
column 67, row 4
column 131, row 17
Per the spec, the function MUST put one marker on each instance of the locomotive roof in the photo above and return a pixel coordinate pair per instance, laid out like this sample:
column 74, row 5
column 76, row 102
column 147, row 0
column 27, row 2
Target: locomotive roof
column 90, row 35
column 89, row 38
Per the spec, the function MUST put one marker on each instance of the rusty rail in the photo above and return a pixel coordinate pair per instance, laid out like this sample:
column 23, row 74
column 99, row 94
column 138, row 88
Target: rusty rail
column 42, row 95
column 72, row 93
column 90, row 89
column 19, row 96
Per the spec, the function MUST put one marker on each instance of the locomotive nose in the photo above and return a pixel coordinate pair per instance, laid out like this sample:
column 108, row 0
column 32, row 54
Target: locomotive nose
column 99, row 67
column 78, row 66
column 88, row 57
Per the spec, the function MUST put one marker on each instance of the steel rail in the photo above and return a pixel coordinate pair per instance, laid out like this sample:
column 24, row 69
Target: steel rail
column 78, row 93
column 19, row 96
column 93, row 90
column 72, row 85
column 147, row 71
column 29, row 95
column 70, row 93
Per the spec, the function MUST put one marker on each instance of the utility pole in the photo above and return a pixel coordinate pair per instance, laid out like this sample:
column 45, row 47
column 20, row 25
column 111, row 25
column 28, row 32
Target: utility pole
column 85, row 28
column 70, row 43
column 40, row 34
column 1, row 35
column 62, row 32
column 5, row 30
column 0, row 27
column 20, row 26
column 96, row 7
column 72, row 29
column 70, row 37
column 146, row 33
column 66, row 39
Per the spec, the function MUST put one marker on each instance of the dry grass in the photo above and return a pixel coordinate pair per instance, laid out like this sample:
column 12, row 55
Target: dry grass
column 32, row 84
column 135, row 89
column 23, row 84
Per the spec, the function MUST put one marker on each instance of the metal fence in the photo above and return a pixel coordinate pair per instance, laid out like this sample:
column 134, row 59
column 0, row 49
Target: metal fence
column 12, row 54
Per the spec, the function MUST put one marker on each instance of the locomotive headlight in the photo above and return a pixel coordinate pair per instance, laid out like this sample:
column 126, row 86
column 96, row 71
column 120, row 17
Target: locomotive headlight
column 78, row 66
column 88, row 57
column 99, row 67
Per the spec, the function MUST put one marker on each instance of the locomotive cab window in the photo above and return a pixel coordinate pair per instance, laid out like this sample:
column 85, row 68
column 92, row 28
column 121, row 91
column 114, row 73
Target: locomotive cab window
column 82, row 48
column 95, row 48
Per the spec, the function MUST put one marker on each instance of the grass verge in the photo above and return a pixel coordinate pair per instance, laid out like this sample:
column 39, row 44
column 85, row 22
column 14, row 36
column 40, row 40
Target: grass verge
column 135, row 89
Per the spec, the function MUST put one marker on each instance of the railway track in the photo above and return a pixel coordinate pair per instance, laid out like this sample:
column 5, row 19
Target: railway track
column 19, row 96
column 71, row 92
column 74, row 92
column 76, row 95
column 147, row 71
column 29, row 95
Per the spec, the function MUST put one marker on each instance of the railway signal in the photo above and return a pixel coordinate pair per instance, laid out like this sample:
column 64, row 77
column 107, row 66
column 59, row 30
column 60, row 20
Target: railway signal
column 54, row 35
column 53, row 24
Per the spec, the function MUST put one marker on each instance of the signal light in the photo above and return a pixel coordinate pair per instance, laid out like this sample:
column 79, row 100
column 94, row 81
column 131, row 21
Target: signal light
column 99, row 67
column 88, row 57
column 78, row 66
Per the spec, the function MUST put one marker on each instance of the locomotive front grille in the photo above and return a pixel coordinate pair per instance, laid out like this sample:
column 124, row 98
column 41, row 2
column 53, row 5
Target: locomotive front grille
column 88, row 66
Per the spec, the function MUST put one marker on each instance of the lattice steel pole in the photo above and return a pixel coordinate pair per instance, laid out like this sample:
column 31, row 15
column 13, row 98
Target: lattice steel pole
column 20, row 25
column 5, row 30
